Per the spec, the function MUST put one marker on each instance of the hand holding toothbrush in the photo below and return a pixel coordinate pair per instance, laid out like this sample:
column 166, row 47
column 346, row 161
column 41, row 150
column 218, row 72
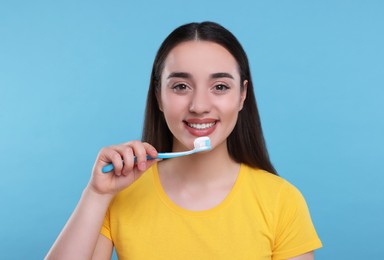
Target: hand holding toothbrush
column 128, row 161
column 200, row 144
column 133, row 154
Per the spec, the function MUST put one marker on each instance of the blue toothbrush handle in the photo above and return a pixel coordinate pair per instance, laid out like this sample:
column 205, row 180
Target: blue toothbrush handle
column 109, row 167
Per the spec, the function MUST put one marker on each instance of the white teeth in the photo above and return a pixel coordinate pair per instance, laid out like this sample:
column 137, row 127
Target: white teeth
column 201, row 126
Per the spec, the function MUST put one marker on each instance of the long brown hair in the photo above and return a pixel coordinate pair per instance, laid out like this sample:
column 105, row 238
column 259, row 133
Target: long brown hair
column 246, row 143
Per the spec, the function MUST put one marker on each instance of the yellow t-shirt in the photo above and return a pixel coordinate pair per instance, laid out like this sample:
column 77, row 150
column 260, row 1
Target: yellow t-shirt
column 263, row 217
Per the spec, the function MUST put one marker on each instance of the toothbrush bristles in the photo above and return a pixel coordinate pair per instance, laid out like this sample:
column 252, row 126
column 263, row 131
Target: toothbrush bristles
column 202, row 142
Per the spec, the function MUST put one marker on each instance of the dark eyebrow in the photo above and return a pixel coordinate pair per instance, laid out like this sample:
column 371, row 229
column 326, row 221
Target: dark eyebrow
column 221, row 75
column 183, row 75
column 186, row 75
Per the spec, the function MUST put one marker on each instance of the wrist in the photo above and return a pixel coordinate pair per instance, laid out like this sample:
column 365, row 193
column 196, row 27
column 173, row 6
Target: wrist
column 90, row 193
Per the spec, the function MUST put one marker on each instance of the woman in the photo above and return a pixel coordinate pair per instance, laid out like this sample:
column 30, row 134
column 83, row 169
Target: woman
column 227, row 203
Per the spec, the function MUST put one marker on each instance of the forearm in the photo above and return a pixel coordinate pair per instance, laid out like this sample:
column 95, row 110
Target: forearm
column 79, row 236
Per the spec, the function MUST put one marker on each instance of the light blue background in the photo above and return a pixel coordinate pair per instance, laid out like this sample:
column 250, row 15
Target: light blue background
column 74, row 76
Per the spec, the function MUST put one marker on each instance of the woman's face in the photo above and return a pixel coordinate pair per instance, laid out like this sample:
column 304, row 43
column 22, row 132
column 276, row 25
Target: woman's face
column 200, row 93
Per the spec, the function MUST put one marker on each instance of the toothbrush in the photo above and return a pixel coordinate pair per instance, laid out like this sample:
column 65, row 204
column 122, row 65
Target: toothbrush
column 200, row 144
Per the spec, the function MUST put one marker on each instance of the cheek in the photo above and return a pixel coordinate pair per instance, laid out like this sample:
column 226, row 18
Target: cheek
column 230, row 106
column 171, row 102
column 229, row 113
column 173, row 107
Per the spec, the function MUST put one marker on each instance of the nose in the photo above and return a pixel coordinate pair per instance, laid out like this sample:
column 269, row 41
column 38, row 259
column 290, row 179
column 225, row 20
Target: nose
column 200, row 102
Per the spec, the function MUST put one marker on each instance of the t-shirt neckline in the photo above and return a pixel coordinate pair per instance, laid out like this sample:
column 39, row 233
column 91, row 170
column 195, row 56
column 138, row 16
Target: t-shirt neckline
column 186, row 212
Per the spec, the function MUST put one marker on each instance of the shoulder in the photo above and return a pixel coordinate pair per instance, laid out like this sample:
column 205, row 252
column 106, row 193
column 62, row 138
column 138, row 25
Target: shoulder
column 266, row 181
column 273, row 190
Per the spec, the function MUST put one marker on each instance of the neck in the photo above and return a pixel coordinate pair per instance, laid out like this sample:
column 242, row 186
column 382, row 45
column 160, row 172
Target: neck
column 200, row 181
column 201, row 168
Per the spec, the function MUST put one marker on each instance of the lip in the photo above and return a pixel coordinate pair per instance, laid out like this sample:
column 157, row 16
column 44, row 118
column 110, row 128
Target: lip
column 201, row 132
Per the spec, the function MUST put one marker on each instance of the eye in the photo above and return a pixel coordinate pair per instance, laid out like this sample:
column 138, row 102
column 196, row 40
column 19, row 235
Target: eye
column 180, row 88
column 220, row 88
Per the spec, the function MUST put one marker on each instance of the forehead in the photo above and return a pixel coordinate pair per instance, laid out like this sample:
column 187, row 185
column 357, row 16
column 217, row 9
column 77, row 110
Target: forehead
column 200, row 56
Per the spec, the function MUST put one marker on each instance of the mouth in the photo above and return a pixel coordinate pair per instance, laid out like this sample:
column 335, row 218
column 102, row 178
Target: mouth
column 201, row 126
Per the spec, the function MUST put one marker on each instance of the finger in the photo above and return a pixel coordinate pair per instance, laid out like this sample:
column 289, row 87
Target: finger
column 129, row 161
column 117, row 161
column 151, row 151
column 138, row 172
column 141, row 154
column 125, row 180
column 111, row 155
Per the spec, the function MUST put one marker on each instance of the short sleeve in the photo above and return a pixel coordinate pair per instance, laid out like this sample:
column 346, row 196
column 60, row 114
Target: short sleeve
column 294, row 231
column 106, row 228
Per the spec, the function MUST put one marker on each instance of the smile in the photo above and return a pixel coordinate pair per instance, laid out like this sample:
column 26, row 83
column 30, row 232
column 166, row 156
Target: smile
column 201, row 126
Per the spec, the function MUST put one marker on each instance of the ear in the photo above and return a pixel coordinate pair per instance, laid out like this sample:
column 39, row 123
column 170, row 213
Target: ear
column 243, row 94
